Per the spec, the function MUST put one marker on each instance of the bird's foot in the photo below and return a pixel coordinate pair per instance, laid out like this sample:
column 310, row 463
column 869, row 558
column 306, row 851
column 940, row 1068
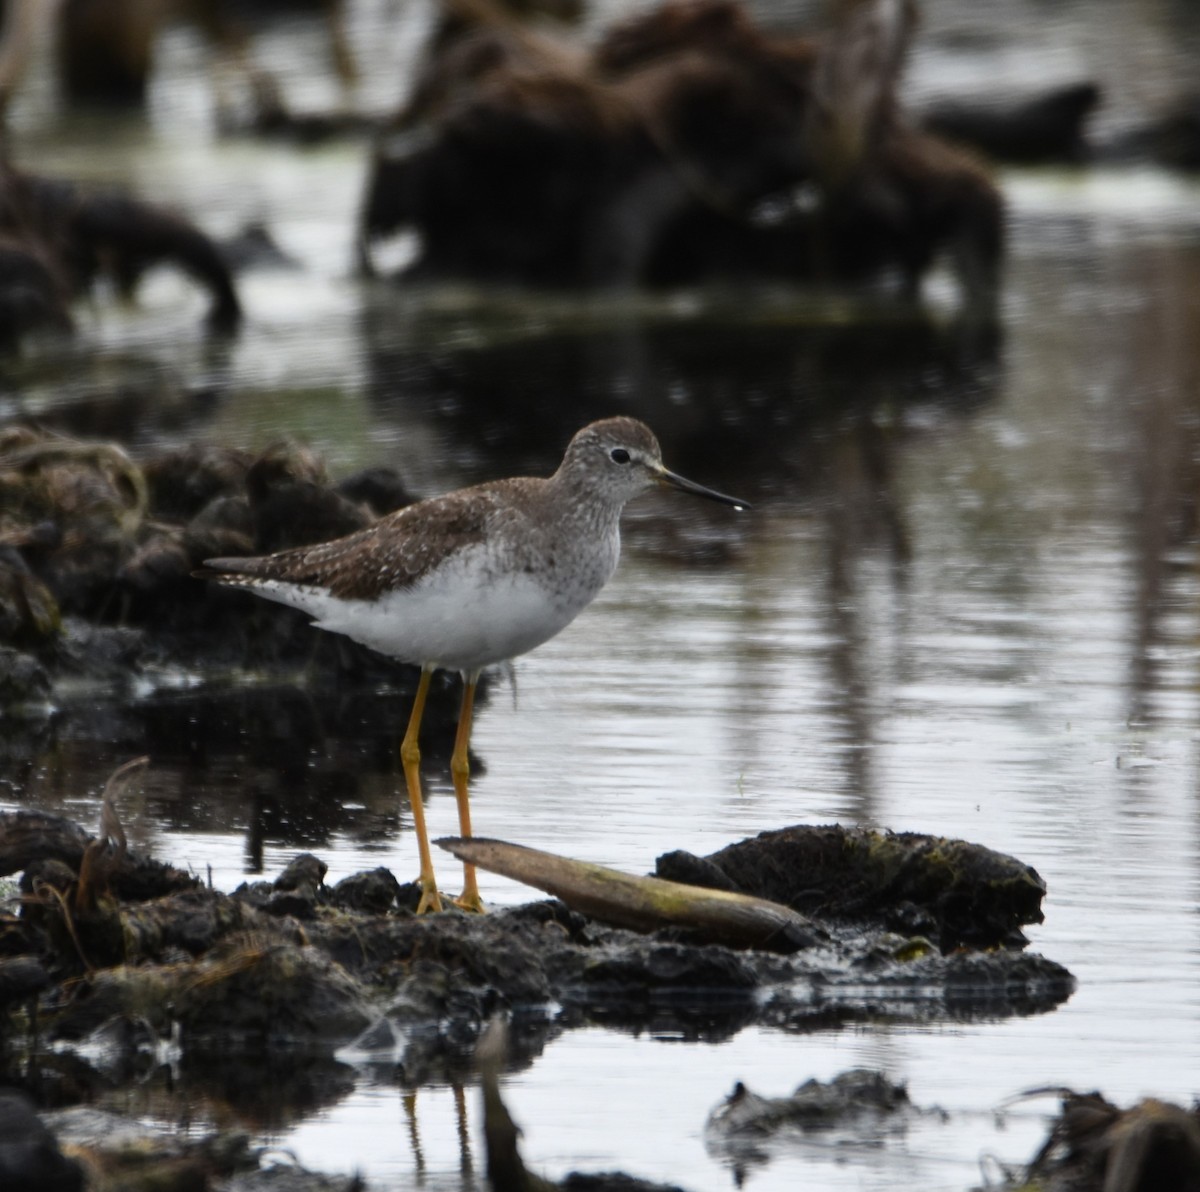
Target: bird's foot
column 431, row 900
column 469, row 900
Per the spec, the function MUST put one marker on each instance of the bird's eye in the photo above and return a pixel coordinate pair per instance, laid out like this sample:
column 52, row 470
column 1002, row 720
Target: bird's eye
column 619, row 455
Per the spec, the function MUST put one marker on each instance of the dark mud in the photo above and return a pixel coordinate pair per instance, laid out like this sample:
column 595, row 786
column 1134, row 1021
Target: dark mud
column 97, row 554
column 747, row 1127
column 295, row 964
column 951, row 892
column 690, row 143
column 58, row 240
column 112, row 964
column 1095, row 1146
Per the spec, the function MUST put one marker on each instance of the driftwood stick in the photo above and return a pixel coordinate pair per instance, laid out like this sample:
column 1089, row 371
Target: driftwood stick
column 641, row 903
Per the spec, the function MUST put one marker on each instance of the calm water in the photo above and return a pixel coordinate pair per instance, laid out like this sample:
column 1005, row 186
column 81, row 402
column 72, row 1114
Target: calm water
column 966, row 602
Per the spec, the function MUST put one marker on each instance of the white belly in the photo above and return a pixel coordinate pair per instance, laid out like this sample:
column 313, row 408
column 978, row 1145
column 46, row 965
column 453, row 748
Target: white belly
column 462, row 627
column 466, row 632
column 481, row 607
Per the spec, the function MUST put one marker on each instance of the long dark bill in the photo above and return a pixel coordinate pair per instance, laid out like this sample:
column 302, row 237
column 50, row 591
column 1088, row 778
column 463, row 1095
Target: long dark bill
column 690, row 486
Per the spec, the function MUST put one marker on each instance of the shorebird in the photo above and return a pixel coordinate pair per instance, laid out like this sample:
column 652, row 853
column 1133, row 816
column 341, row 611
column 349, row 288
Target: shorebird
column 471, row 579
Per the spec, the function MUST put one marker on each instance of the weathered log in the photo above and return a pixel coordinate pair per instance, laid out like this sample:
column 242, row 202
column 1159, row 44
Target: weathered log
column 642, row 903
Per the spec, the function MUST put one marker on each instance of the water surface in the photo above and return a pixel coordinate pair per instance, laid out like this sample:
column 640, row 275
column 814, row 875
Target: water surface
column 966, row 602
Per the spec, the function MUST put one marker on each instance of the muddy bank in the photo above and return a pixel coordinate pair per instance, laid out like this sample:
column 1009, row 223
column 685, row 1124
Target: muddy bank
column 953, row 893
column 113, row 965
column 97, row 552
column 118, row 948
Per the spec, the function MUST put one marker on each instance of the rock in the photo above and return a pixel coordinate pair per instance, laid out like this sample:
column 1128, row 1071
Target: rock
column 29, row 1156
column 274, row 996
column 373, row 891
column 814, row 1105
column 25, row 686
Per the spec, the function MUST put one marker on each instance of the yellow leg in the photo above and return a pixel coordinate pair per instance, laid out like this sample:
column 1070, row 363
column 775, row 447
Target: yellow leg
column 410, row 758
column 460, row 770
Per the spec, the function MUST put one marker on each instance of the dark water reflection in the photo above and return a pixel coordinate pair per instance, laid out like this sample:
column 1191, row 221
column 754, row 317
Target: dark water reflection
column 719, row 386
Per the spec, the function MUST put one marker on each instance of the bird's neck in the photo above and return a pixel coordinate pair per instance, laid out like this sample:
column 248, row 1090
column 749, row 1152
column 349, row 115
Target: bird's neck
column 579, row 506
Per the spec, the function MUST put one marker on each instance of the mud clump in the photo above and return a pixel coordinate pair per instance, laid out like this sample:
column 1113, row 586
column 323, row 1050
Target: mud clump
column 814, row 1105
column 97, row 552
column 950, row 891
column 58, row 238
column 110, row 934
column 689, row 144
column 111, row 960
column 1095, row 1146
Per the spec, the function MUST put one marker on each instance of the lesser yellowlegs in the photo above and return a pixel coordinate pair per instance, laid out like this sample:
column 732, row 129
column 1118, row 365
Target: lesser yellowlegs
column 470, row 579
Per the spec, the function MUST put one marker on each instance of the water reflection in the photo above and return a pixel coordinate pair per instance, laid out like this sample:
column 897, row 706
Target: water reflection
column 739, row 389
column 276, row 764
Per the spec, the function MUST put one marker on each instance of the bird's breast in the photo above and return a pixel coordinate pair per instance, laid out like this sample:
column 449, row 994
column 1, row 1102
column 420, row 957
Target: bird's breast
column 479, row 608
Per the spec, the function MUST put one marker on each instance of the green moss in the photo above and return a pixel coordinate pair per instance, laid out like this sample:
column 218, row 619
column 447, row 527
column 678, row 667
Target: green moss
column 916, row 948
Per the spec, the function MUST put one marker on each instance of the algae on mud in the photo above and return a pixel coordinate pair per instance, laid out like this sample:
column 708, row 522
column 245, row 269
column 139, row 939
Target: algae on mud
column 97, row 584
